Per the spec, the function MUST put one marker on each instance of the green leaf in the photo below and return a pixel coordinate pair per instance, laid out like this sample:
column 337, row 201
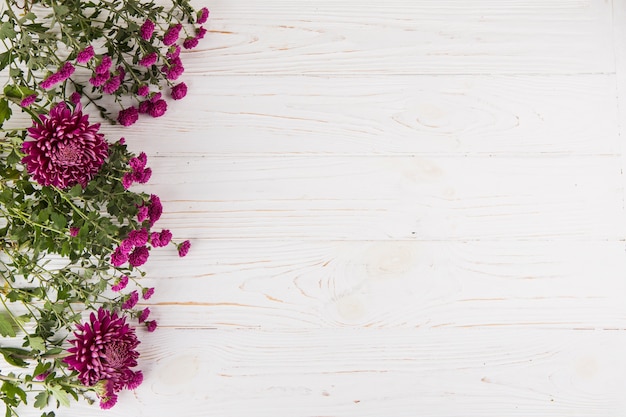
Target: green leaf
column 37, row 343
column 41, row 400
column 11, row 356
column 60, row 395
column 17, row 91
column 7, row 30
column 75, row 190
column 5, row 111
column 7, row 325
column 5, row 58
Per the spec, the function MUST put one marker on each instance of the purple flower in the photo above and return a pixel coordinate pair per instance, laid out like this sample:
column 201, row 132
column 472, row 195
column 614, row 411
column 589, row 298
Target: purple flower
column 112, row 85
column 159, row 240
column 74, row 231
column 147, row 293
column 143, row 316
column 146, row 30
column 138, row 163
column 174, row 72
column 127, row 180
column 142, row 176
column 138, row 237
column 61, row 75
column 126, row 246
column 190, row 43
column 158, row 108
column 145, row 106
column 66, row 149
column 200, row 32
column 139, row 256
column 118, row 257
column 128, row 116
column 85, row 55
column 155, row 209
column 174, row 53
column 99, row 79
column 203, row 15
column 131, row 300
column 151, row 325
column 142, row 214
column 148, row 60
column 105, row 350
column 179, row 91
column 120, row 284
column 104, row 65
column 41, row 376
column 75, row 97
column 183, row 248
column 143, row 91
column 171, row 36
column 28, row 100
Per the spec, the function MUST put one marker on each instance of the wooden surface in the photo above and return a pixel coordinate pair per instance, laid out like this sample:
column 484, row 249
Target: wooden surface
column 400, row 208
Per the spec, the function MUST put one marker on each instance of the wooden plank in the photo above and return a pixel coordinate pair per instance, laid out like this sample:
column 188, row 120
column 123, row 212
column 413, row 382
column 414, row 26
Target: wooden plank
column 391, row 198
column 289, row 284
column 406, row 37
column 493, row 115
column 367, row 372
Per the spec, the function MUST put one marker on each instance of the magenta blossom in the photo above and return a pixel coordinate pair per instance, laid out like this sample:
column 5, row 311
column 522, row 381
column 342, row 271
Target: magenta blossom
column 28, row 100
column 99, row 79
column 118, row 257
column 143, row 316
column 179, row 91
column 151, row 325
column 105, row 350
column 131, row 300
column 203, row 15
column 139, row 256
column 146, row 30
column 171, row 36
column 104, row 65
column 120, row 284
column 138, row 237
column 61, row 75
column 85, row 55
column 200, row 32
column 158, row 108
column 159, row 240
column 190, row 43
column 143, row 91
column 128, row 116
column 142, row 213
column 155, row 209
column 75, row 97
column 183, row 248
column 74, row 231
column 148, row 60
column 147, row 293
column 66, row 149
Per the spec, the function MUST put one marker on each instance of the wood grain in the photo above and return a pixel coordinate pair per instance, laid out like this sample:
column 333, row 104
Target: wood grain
column 406, row 37
column 402, row 197
column 467, row 115
column 373, row 372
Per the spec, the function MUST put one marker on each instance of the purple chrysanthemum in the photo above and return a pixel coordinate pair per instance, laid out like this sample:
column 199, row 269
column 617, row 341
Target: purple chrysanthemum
column 151, row 325
column 190, row 43
column 142, row 213
column 139, row 256
column 112, row 85
column 203, row 15
column 85, row 55
column 28, row 100
column 138, row 163
column 148, row 60
column 99, row 79
column 74, row 231
column 200, row 32
column 179, row 91
column 61, row 75
column 155, row 209
column 138, row 237
column 183, row 248
column 159, row 240
column 142, row 176
column 75, row 97
column 128, row 116
column 143, row 316
column 131, row 300
column 118, row 257
column 105, row 350
column 120, row 284
column 104, row 65
column 66, row 149
column 171, row 36
column 147, row 293
column 143, row 91
column 158, row 108
column 147, row 29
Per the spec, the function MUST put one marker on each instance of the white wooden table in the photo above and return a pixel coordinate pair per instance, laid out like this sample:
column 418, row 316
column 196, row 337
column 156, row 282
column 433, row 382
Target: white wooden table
column 397, row 208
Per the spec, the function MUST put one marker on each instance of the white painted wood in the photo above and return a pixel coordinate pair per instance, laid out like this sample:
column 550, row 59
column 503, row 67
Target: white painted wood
column 400, row 208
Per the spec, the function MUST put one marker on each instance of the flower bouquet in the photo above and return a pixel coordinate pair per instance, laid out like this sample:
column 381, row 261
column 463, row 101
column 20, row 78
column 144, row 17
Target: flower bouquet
column 74, row 231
